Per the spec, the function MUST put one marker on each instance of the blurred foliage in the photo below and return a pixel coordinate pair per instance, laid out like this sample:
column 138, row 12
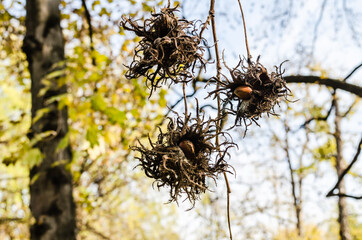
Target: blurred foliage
column 106, row 114
column 355, row 228
column 311, row 233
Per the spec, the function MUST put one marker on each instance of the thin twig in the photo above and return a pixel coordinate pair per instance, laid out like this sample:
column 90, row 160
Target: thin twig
column 340, row 178
column 228, row 204
column 246, row 37
column 91, row 229
column 218, row 74
column 185, row 99
column 346, row 195
column 296, row 198
column 319, row 118
column 177, row 102
column 351, row 73
column 205, row 25
column 316, row 26
column 350, row 108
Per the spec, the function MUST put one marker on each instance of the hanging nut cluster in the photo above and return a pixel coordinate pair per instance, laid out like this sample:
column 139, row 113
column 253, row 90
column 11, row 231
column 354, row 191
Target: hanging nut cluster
column 182, row 157
column 251, row 91
column 168, row 48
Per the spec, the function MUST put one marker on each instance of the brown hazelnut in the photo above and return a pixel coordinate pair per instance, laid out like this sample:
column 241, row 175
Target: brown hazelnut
column 243, row 92
column 188, row 148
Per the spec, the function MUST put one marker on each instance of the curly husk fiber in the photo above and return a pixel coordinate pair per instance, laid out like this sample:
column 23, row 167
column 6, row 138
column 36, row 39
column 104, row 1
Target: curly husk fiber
column 168, row 48
column 267, row 89
column 168, row 165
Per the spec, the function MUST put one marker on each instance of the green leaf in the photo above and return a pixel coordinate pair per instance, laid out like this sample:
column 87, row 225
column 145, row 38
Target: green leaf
column 32, row 157
column 62, row 99
column 326, row 151
column 41, row 136
column 94, row 77
column 40, row 113
column 98, row 102
column 47, row 84
column 60, row 162
column 92, row 135
column 63, row 143
column 135, row 113
column 162, row 100
column 146, row 8
column 43, row 91
column 55, row 74
column 116, row 116
column 34, row 178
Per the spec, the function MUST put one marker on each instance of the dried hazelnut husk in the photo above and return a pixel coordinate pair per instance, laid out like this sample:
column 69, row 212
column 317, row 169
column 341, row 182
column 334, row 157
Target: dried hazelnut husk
column 251, row 91
column 168, row 50
column 183, row 157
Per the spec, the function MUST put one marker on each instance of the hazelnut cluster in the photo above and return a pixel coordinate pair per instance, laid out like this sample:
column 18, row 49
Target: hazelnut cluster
column 169, row 47
column 251, row 91
column 182, row 157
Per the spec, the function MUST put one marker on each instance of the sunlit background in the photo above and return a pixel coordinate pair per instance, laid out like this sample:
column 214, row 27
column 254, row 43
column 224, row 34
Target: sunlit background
column 107, row 113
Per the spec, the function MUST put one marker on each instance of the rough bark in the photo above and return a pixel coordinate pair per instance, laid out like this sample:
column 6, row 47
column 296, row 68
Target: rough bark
column 344, row 232
column 51, row 202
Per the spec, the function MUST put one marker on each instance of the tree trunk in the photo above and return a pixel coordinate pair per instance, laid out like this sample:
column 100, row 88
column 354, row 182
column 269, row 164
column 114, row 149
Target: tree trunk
column 344, row 232
column 51, row 202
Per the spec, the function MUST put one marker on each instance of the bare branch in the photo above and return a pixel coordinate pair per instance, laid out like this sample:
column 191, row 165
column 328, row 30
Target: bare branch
column 91, row 229
column 316, row 26
column 320, row 118
column 351, row 73
column 340, row 178
column 334, row 83
column 218, row 123
column 89, row 21
column 296, row 198
column 345, row 195
column 178, row 101
column 349, row 109
column 246, row 37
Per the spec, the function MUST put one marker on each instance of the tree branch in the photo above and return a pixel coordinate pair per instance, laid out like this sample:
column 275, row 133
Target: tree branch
column 351, row 73
column 346, row 195
column 340, row 178
column 91, row 229
column 334, row 83
column 89, row 21
column 296, row 198
column 329, row 82
column 319, row 118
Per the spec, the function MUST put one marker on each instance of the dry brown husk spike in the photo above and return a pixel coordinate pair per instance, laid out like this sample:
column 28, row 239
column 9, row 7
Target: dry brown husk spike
column 184, row 157
column 251, row 91
column 168, row 49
